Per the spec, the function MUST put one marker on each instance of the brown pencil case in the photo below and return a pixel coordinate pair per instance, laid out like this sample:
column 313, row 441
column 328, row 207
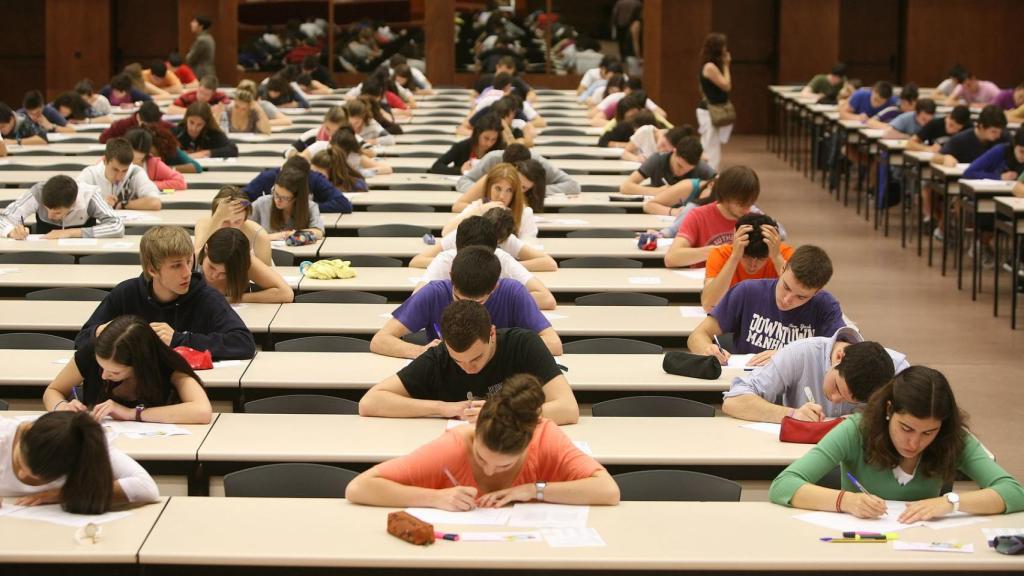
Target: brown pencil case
column 410, row 528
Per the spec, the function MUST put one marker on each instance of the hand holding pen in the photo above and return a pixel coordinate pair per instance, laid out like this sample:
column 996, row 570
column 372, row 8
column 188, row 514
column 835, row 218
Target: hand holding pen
column 863, row 504
column 457, row 498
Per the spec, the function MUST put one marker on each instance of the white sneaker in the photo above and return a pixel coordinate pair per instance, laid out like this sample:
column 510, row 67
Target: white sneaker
column 938, row 235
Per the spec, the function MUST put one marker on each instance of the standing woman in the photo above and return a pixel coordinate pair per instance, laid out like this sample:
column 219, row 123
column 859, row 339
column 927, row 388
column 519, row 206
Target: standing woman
column 715, row 85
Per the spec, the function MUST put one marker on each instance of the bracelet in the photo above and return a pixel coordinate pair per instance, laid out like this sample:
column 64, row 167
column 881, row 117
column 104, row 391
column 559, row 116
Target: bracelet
column 839, row 501
column 57, row 405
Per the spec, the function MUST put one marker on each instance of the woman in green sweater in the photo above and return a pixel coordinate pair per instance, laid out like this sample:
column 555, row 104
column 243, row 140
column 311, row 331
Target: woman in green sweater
column 909, row 441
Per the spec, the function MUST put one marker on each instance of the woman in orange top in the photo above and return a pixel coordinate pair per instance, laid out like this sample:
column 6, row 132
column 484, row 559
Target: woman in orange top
column 756, row 252
column 512, row 455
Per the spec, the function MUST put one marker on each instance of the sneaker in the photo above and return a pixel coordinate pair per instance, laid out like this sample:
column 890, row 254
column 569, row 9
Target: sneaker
column 988, row 259
column 938, row 235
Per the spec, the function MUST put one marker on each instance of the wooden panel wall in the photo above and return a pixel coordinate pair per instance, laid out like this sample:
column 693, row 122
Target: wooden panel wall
column 808, row 39
column 77, row 43
column 224, row 15
column 752, row 43
column 137, row 39
column 674, row 32
column 22, row 49
column 439, row 37
column 869, row 39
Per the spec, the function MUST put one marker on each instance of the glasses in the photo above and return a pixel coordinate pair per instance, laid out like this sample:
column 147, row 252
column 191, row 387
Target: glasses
column 280, row 197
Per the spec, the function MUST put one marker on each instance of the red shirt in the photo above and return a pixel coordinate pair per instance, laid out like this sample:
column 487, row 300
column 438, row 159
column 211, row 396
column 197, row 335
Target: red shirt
column 183, row 72
column 188, row 98
column 705, row 226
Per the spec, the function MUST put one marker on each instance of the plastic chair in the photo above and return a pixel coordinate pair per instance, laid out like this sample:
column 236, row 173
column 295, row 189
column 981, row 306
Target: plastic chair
column 193, row 205
column 611, row 346
column 652, row 406
column 399, row 207
column 289, row 480
column 600, row 233
column 676, row 486
column 600, row 262
column 301, row 404
column 3, row 405
column 36, row 258
column 373, row 261
column 621, row 299
column 341, row 297
column 393, row 231
column 73, row 294
column 282, row 257
column 34, row 341
column 323, row 344
column 592, row 209
column 113, row 258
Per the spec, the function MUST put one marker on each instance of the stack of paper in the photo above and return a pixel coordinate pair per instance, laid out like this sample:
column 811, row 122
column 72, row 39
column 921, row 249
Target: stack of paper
column 561, row 526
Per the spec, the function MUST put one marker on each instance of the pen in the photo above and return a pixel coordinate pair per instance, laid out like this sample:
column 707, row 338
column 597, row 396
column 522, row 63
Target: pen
column 561, row 367
column 809, row 394
column 717, row 343
column 437, row 329
column 857, row 484
column 74, row 393
column 854, row 540
column 446, row 536
column 451, row 477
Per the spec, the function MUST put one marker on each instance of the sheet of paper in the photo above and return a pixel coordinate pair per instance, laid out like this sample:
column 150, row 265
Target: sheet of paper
column 991, row 533
column 292, row 279
column 548, row 516
column 136, row 216
column 644, row 280
column 740, row 361
column 948, row 521
column 414, row 280
column 61, row 361
column 140, row 430
column 53, row 514
column 692, row 312
column 665, row 242
column 553, row 315
column 385, row 315
column 666, row 218
column 531, row 536
column 35, row 237
column 767, row 427
column 478, row 517
column 9, row 507
column 119, row 245
column 238, row 306
column 277, row 243
column 691, row 274
column 77, row 242
column 453, row 423
column 584, row 446
column 888, row 523
column 7, row 271
column 227, row 363
column 932, row 546
column 572, row 537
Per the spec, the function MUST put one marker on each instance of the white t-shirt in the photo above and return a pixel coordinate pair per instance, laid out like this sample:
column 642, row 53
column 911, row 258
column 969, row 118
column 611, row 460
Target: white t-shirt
column 513, row 245
column 491, row 95
column 527, row 222
column 136, row 183
column 646, row 141
column 589, row 77
column 440, row 267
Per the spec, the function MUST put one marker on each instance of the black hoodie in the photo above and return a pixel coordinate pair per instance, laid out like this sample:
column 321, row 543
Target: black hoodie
column 201, row 318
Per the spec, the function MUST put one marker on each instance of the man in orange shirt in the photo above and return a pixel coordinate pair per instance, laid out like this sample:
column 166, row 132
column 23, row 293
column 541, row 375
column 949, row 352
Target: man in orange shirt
column 756, row 252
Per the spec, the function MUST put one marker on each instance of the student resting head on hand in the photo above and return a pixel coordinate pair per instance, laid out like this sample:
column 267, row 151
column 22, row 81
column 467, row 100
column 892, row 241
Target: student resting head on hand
column 229, row 266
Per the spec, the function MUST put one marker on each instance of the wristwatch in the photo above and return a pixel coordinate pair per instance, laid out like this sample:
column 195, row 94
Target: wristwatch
column 138, row 412
column 954, row 499
column 540, row 486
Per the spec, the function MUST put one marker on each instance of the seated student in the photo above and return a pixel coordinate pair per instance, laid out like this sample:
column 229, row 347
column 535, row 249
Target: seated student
column 910, row 123
column 475, row 275
column 556, row 181
column 97, row 107
column 865, row 103
column 502, row 87
column 139, row 82
column 475, row 356
column 345, row 144
column 281, row 92
column 756, row 252
column 231, row 208
column 765, row 315
column 162, row 175
column 672, row 175
column 954, row 78
column 609, row 105
column 149, row 115
column 421, row 85
column 182, row 70
column 18, row 129
column 274, row 116
column 513, row 454
column 161, row 77
column 179, row 305
column 506, row 65
column 334, row 118
column 596, row 75
column 64, row 208
column 504, row 185
column 909, row 441
column 634, row 117
column 464, row 154
column 68, row 108
column 592, row 95
column 33, row 108
column 207, row 92
column 649, row 140
column 364, row 125
column 840, row 372
column 340, row 175
column 245, row 114
column 200, row 135
column 907, row 102
column 478, row 231
column 63, row 458
column 532, row 258
column 705, row 227
column 1001, row 162
column 933, row 135
column 328, row 198
column 120, row 91
column 122, row 184
column 311, row 65
column 973, row 92
column 229, row 266
column 827, row 86
column 3, row 147
column 128, row 373
column 310, row 86
column 288, row 208
column 613, row 92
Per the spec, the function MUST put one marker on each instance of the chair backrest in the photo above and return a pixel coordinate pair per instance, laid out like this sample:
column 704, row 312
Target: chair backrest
column 75, row 294
column 600, row 233
column 621, row 299
column 373, row 261
column 652, row 406
column 3, row 405
column 676, row 486
column 195, row 205
column 611, row 346
column 323, row 344
column 34, row 341
column 301, row 404
column 112, row 258
column 400, row 207
column 282, row 257
column 342, row 297
column 36, row 258
column 289, row 480
column 393, row 231
column 600, row 262
column 592, row 209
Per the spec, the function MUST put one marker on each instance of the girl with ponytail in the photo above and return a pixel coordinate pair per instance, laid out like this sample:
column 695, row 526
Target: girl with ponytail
column 511, row 455
column 63, row 457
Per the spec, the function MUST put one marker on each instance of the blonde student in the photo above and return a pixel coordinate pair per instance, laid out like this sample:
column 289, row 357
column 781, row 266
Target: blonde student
column 63, row 458
column 512, row 454
column 909, row 442
column 503, row 187
column 231, row 208
column 229, row 266
column 127, row 372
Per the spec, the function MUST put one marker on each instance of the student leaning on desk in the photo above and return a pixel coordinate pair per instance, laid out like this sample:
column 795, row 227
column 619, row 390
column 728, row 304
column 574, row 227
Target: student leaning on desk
column 909, row 442
column 511, row 455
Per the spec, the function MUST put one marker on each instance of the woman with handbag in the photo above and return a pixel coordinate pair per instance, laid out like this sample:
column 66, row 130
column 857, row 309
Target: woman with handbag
column 910, row 441
column 715, row 113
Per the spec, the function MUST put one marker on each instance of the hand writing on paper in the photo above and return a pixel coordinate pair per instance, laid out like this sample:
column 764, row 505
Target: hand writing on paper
column 761, row 358
column 720, row 353
column 18, row 233
column 926, row 510
column 809, row 412
column 455, row 499
column 454, row 409
column 72, row 406
column 863, row 505
column 40, row 498
column 163, row 331
column 472, row 411
column 499, row 498
column 58, row 234
column 112, row 409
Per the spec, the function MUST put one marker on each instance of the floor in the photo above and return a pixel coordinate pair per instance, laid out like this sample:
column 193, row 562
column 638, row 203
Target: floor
column 896, row 299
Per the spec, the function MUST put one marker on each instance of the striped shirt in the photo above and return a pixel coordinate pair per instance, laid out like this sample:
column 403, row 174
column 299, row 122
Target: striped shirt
column 88, row 205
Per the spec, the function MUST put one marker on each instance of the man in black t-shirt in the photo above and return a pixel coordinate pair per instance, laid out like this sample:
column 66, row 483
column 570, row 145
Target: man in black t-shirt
column 455, row 378
column 506, row 64
column 938, row 131
column 966, row 146
column 666, row 169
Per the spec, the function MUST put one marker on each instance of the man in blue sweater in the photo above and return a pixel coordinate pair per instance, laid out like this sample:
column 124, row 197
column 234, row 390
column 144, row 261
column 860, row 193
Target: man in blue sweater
column 178, row 304
column 327, row 197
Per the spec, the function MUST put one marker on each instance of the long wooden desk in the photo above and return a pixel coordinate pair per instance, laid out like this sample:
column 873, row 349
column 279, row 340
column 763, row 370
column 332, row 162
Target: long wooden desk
column 558, row 248
column 554, row 222
column 127, row 244
column 89, row 275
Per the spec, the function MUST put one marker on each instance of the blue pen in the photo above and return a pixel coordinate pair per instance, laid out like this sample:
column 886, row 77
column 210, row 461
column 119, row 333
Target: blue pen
column 858, row 484
column 74, row 393
column 437, row 329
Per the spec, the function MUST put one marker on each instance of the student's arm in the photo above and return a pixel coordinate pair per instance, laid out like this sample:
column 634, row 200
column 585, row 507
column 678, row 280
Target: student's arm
column 34, row 141
column 329, row 199
column 228, row 337
column 108, row 223
column 631, row 185
column 1018, row 189
column 535, row 259
column 223, row 147
column 846, row 112
column 716, row 286
column 167, row 177
column 11, row 221
column 147, row 203
column 941, row 159
column 56, row 395
column 388, row 341
column 194, row 407
column 262, row 248
column 988, row 166
column 540, row 294
column 475, row 174
column 371, row 489
column 747, row 397
column 147, row 195
column 916, row 145
column 450, row 162
column 475, row 210
column 262, row 121
column 720, row 77
column 551, row 340
column 275, row 288
column 701, row 340
column 389, row 399
column 3, row 148
column 559, row 402
column 424, row 258
column 681, row 253
column 667, row 200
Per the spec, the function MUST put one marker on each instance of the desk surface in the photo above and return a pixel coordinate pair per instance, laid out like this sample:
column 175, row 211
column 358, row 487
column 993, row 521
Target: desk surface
column 127, row 244
column 239, row 531
column 63, row 316
column 625, row 321
column 336, row 247
column 545, row 222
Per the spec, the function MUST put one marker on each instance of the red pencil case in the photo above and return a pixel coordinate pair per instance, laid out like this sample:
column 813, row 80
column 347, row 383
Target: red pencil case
column 804, row 432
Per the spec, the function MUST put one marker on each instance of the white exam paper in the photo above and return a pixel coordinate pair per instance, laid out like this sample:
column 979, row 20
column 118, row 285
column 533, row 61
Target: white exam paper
column 932, row 546
column 769, row 427
column 76, row 242
column 538, row 515
column 572, row 537
column 692, row 312
column 478, row 517
column 531, row 536
column 53, row 514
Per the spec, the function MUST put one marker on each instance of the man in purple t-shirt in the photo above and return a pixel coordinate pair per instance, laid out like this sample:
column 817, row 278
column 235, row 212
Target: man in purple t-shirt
column 474, row 276
column 765, row 315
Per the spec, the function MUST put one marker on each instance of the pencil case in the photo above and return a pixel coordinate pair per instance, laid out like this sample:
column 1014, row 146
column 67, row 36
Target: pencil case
column 197, row 359
column 407, row 527
column 804, row 432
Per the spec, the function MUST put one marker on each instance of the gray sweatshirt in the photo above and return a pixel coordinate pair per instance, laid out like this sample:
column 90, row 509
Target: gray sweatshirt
column 558, row 182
